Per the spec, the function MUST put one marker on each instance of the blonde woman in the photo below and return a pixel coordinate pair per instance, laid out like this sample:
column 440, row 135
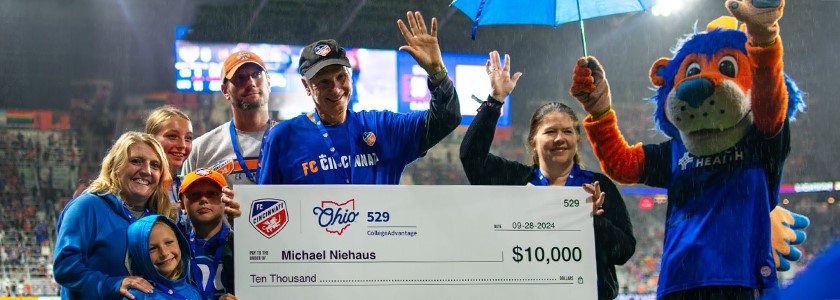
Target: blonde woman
column 90, row 254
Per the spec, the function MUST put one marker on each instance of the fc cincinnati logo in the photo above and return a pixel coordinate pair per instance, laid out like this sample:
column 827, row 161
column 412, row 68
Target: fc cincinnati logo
column 765, row 271
column 369, row 138
column 322, row 50
column 269, row 216
column 224, row 166
column 335, row 217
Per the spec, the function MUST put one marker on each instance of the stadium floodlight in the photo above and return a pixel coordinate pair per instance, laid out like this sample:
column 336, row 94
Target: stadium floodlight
column 664, row 8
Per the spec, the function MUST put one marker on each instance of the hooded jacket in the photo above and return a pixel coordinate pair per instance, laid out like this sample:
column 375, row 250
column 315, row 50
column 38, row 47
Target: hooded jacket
column 90, row 251
column 141, row 263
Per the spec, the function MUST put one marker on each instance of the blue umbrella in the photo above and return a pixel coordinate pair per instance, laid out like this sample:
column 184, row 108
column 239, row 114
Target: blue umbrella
column 544, row 12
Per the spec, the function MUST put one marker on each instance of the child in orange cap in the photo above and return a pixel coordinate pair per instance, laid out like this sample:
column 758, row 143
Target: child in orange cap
column 211, row 240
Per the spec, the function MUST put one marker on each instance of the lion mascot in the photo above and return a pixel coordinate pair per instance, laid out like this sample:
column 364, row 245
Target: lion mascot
column 725, row 103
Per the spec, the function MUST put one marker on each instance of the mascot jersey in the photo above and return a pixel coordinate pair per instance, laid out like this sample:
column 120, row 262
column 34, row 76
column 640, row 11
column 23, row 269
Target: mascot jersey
column 726, row 105
column 707, row 215
column 372, row 147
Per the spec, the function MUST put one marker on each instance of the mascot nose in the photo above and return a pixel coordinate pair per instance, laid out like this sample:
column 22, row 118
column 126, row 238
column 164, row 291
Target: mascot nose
column 695, row 91
column 766, row 3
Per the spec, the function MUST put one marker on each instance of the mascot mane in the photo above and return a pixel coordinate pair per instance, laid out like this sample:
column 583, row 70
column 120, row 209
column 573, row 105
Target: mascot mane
column 709, row 43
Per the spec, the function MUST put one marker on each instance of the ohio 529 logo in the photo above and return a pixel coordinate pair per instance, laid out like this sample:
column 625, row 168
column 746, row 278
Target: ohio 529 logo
column 269, row 216
column 335, row 217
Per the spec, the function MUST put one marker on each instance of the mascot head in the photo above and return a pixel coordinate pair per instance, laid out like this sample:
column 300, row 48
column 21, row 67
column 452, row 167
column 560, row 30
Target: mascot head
column 703, row 92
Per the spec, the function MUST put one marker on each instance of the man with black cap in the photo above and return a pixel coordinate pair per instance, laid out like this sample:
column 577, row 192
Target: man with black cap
column 333, row 145
column 233, row 148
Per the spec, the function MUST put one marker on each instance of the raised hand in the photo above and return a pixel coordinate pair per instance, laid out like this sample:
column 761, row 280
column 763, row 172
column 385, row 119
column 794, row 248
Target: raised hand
column 760, row 16
column 590, row 87
column 422, row 43
column 501, row 83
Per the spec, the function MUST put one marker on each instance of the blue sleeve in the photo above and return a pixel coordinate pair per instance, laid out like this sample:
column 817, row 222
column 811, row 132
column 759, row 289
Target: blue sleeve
column 657, row 169
column 76, row 234
column 270, row 160
column 816, row 281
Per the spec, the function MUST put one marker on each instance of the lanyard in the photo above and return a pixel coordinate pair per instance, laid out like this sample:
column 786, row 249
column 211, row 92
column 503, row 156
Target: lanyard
column 207, row 289
column 175, row 187
column 575, row 178
column 251, row 176
column 348, row 175
column 183, row 220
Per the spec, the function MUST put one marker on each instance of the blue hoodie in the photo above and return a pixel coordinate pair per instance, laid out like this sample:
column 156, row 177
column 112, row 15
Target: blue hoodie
column 141, row 263
column 90, row 252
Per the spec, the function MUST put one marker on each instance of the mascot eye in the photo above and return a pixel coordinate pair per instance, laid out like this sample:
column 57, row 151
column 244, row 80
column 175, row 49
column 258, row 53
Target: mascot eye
column 693, row 69
column 728, row 66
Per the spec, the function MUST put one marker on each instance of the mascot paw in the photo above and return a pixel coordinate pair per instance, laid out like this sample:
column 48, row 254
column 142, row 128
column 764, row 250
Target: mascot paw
column 787, row 229
column 589, row 86
column 760, row 16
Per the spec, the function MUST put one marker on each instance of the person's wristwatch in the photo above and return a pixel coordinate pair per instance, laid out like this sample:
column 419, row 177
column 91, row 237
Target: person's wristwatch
column 438, row 76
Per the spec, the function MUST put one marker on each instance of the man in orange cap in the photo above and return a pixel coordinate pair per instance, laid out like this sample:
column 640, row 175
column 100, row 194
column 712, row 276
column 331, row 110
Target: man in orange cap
column 233, row 148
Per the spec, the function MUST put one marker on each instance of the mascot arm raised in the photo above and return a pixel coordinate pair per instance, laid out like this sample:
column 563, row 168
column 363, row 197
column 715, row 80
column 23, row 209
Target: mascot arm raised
column 770, row 106
column 769, row 94
column 622, row 162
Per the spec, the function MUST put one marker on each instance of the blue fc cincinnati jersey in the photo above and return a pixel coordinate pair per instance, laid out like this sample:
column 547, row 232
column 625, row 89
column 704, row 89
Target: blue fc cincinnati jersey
column 717, row 228
column 372, row 147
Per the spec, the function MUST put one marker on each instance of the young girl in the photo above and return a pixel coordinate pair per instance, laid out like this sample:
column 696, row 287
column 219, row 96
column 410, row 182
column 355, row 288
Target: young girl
column 173, row 129
column 155, row 248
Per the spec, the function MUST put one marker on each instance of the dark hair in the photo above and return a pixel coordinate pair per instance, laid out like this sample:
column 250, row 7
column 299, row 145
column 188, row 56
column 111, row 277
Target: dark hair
column 537, row 119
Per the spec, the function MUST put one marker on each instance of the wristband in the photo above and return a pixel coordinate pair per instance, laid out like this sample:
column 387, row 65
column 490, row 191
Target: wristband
column 599, row 115
column 438, row 76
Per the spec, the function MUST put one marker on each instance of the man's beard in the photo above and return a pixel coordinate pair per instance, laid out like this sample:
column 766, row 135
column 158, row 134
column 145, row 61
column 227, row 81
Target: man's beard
column 244, row 105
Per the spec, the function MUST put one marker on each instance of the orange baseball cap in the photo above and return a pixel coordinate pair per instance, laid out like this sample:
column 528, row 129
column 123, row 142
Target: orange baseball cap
column 237, row 59
column 201, row 174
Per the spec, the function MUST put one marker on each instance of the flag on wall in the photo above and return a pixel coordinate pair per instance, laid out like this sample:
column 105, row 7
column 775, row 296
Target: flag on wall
column 18, row 119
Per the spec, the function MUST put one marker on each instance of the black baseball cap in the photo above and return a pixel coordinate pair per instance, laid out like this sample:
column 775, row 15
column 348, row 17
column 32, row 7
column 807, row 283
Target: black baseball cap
column 320, row 54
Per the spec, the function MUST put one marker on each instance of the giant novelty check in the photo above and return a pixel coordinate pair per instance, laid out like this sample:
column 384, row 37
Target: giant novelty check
column 414, row 242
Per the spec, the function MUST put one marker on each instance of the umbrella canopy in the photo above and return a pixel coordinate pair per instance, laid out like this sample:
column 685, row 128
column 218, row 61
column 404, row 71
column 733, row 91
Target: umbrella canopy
column 544, row 12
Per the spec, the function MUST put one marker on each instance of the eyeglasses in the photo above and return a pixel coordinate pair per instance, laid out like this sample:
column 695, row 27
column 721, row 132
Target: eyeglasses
column 197, row 195
column 241, row 78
